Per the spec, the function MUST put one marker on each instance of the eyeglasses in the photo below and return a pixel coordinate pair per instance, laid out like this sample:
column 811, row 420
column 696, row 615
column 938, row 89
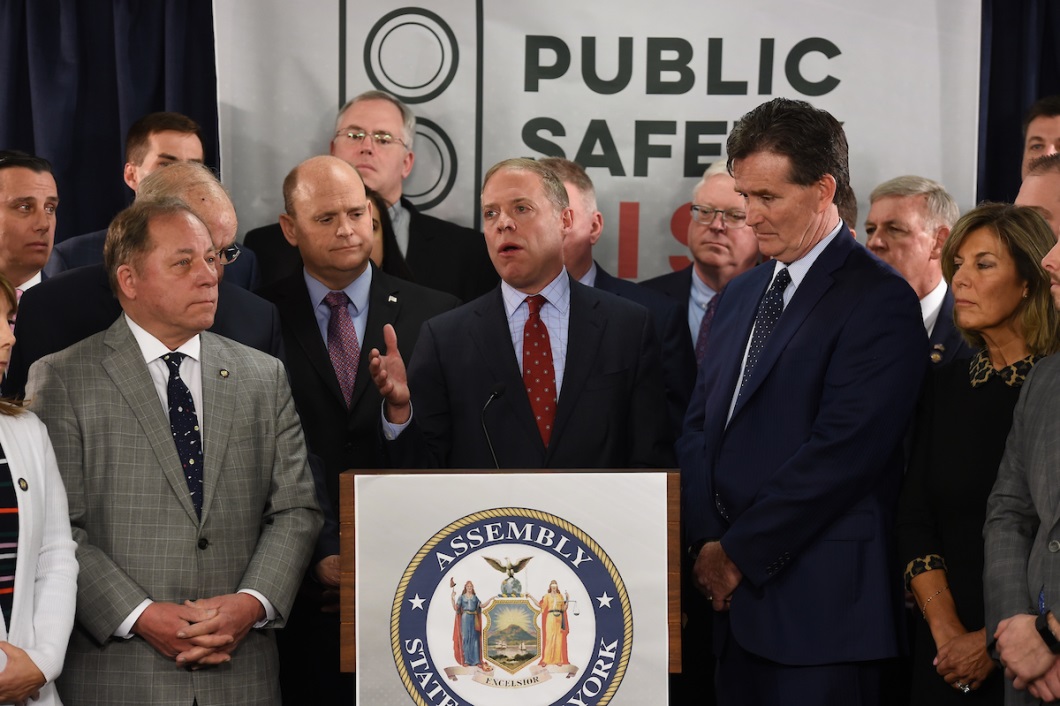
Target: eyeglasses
column 704, row 215
column 382, row 139
column 230, row 254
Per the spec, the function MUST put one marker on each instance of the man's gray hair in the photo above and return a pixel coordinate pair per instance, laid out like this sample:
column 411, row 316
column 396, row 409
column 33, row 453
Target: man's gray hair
column 407, row 116
column 942, row 210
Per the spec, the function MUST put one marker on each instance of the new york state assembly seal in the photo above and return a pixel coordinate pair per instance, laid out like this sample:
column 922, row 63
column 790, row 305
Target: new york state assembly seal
column 511, row 606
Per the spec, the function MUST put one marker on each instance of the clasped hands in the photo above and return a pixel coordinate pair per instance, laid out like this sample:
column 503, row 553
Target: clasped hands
column 199, row 633
column 1027, row 661
column 715, row 575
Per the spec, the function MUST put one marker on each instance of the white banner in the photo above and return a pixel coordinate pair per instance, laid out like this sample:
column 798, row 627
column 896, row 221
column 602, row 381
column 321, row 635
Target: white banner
column 643, row 95
column 453, row 589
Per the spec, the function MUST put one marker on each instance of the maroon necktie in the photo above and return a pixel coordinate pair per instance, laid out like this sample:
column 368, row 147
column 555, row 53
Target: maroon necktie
column 704, row 328
column 343, row 348
column 538, row 374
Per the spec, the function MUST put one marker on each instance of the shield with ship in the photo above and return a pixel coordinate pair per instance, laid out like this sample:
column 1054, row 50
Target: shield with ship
column 511, row 633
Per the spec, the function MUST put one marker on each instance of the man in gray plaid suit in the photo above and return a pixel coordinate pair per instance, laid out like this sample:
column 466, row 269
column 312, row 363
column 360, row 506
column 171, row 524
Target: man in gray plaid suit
column 194, row 519
column 1022, row 533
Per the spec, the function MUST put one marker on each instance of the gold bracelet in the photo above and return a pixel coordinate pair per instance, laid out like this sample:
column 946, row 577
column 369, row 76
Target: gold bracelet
column 923, row 608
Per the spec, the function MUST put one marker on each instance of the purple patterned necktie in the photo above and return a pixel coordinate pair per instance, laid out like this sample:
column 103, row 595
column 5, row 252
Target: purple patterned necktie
column 704, row 328
column 343, row 347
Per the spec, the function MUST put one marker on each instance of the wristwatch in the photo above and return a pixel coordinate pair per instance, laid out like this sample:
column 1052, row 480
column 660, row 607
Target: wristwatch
column 1042, row 624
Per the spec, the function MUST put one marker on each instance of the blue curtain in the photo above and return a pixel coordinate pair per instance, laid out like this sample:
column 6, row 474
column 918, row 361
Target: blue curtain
column 1020, row 63
column 75, row 75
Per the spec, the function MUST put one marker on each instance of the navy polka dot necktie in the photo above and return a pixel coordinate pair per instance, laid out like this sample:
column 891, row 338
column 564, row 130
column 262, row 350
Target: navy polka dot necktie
column 185, row 426
column 769, row 311
column 539, row 376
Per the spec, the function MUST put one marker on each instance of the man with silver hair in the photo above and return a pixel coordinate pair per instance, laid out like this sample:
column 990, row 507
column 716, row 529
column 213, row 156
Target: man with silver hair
column 374, row 132
column 909, row 220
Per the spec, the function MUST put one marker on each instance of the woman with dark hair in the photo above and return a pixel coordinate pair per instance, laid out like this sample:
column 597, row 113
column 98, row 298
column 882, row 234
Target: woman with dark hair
column 1003, row 307
column 38, row 567
column 385, row 251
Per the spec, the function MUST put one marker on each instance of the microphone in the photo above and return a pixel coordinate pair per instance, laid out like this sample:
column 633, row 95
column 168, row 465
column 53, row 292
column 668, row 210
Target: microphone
column 496, row 391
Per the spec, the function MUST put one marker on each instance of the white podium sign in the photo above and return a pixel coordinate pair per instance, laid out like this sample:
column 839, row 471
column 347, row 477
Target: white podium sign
column 513, row 588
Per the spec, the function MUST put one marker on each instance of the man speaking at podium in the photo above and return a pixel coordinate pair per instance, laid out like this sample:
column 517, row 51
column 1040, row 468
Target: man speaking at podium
column 481, row 387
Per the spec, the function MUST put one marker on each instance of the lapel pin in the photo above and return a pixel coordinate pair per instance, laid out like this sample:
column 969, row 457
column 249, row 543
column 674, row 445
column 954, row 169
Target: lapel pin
column 937, row 351
column 392, row 299
column 23, row 484
column 224, row 373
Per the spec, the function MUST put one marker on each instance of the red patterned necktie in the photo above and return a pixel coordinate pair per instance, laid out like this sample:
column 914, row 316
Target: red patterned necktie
column 343, row 347
column 538, row 374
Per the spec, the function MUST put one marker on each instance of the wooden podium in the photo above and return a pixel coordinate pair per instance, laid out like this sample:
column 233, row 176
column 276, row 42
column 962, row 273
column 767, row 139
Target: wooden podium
column 348, row 543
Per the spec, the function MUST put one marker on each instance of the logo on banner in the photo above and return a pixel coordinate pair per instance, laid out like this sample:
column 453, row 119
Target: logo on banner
column 511, row 601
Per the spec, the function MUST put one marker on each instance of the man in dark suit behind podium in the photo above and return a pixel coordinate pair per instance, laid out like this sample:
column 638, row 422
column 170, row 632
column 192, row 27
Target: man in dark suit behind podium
column 483, row 379
column 791, row 456
column 329, row 219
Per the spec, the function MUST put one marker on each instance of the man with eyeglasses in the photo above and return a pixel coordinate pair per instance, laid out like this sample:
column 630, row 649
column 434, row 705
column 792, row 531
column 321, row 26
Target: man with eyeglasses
column 154, row 141
column 374, row 132
column 73, row 305
column 722, row 246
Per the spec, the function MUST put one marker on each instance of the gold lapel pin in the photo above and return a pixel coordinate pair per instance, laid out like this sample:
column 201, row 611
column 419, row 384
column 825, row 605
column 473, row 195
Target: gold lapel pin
column 224, row 373
column 23, row 484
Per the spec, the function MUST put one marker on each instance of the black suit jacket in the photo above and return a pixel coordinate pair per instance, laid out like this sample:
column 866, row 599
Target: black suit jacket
column 73, row 305
column 347, row 438
column 611, row 411
column 441, row 255
column 671, row 325
column 87, row 249
column 946, row 341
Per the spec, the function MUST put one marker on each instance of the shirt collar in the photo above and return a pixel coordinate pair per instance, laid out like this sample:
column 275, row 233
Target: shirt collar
column 980, row 371
column 556, row 293
column 32, row 281
column 931, row 305
column 357, row 290
column 589, row 278
column 701, row 292
column 153, row 349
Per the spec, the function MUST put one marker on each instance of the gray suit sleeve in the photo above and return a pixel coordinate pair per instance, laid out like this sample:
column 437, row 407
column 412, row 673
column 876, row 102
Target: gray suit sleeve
column 291, row 519
column 106, row 595
column 1011, row 520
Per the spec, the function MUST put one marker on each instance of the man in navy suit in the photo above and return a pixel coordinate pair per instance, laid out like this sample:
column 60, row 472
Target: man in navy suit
column 679, row 366
column 329, row 220
column 154, row 141
column 791, row 456
column 722, row 246
column 28, row 202
column 909, row 219
column 481, row 388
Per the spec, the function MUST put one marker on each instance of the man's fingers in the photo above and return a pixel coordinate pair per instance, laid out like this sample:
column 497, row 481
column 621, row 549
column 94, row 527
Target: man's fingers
column 390, row 339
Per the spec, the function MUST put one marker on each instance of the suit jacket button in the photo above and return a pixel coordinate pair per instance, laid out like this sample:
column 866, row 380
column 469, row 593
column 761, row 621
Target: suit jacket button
column 203, row 542
column 1054, row 545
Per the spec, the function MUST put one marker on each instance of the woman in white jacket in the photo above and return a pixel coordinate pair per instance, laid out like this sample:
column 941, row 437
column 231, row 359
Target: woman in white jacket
column 37, row 600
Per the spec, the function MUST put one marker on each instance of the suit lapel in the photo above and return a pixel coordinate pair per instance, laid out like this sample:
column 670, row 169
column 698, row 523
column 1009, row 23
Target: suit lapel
column 491, row 336
column 813, row 286
column 220, row 382
column 127, row 370
column 296, row 309
column 384, row 307
column 584, row 332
